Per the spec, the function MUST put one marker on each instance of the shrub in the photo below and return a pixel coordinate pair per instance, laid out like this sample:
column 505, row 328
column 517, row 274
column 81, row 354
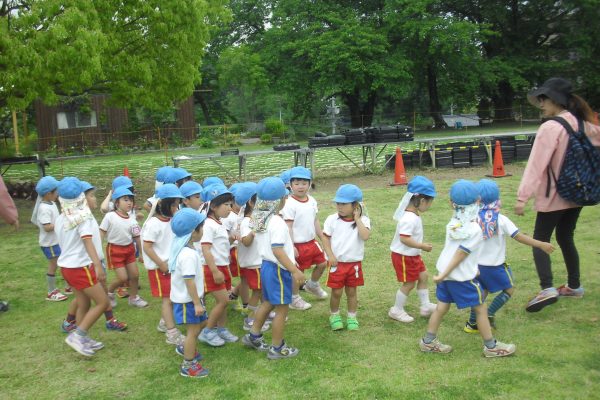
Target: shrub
column 266, row 138
column 274, row 127
column 205, row 142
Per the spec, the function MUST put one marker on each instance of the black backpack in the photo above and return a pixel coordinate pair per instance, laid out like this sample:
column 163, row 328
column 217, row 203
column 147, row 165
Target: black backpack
column 579, row 178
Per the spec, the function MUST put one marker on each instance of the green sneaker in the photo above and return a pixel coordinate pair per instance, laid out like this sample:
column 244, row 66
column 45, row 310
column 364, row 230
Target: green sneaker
column 352, row 324
column 335, row 321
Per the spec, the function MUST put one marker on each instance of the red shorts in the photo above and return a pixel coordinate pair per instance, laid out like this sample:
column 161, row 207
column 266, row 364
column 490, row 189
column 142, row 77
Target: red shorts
column 407, row 268
column 345, row 274
column 234, row 266
column 80, row 278
column 309, row 254
column 252, row 277
column 160, row 284
column 209, row 282
column 119, row 256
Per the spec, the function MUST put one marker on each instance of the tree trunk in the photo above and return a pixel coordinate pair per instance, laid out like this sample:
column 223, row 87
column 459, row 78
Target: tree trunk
column 503, row 101
column 200, row 99
column 361, row 115
column 434, row 99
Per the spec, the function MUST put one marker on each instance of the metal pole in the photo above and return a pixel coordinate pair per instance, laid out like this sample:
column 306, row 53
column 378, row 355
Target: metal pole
column 16, row 132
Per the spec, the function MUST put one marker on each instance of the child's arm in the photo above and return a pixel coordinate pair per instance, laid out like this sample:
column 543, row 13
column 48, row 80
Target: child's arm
column 248, row 239
column 290, row 224
column 48, row 227
column 458, row 257
column 91, row 251
column 147, row 206
column 138, row 243
column 192, row 290
column 318, row 230
column 288, row 264
column 327, row 247
column 210, row 261
column 363, row 231
column 149, row 250
column 105, row 203
column 529, row 241
column 410, row 242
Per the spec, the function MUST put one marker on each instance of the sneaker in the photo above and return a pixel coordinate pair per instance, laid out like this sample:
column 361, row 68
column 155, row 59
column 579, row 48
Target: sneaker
column 284, row 352
column 67, row 326
column 194, row 370
column 94, row 345
column 176, row 339
column 113, row 300
column 471, row 328
column 352, row 324
column 79, row 344
column 137, row 301
column 427, row 309
column 162, row 326
column 56, row 295
column 122, row 292
column 257, row 344
column 68, row 291
column 226, row 335
column 248, row 323
column 179, row 350
column 211, row 337
column 544, row 298
column 114, row 325
column 566, row 291
column 298, row 303
column 271, row 316
column 434, row 347
column 501, row 350
column 335, row 322
column 400, row 315
column 316, row 290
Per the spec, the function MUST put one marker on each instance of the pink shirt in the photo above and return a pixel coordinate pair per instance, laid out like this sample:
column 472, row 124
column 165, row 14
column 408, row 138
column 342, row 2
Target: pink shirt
column 8, row 211
column 549, row 149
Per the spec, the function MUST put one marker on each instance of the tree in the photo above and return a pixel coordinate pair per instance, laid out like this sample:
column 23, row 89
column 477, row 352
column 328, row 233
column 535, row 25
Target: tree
column 142, row 52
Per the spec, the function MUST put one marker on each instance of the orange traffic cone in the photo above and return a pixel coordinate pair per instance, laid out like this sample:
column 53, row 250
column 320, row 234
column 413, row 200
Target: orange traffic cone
column 126, row 171
column 498, row 170
column 399, row 173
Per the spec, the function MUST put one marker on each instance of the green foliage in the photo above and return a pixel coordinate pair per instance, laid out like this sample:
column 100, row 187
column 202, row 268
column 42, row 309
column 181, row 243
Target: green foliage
column 266, row 138
column 274, row 127
column 205, row 142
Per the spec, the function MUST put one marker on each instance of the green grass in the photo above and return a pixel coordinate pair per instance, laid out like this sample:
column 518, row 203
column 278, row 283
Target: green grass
column 557, row 349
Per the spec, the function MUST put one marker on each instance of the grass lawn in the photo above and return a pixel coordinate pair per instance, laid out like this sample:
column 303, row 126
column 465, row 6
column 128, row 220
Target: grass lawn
column 557, row 349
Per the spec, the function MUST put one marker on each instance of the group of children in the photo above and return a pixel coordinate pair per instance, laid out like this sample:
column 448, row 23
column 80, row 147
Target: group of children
column 196, row 237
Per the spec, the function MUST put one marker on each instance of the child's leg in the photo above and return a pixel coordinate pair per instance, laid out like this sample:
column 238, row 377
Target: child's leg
column 51, row 274
column 278, row 324
column 82, row 305
column 500, row 300
column 189, row 346
column 218, row 315
column 402, row 295
column 436, row 318
column 317, row 272
column 352, row 297
column 423, row 291
column 253, row 302
column 133, row 276
column 120, row 278
column 472, row 316
column 483, row 324
column 95, row 293
column 244, row 291
column 260, row 316
column 334, row 303
column 167, row 313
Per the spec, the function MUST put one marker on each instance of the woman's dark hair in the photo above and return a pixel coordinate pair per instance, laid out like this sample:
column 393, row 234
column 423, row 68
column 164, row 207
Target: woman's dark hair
column 580, row 108
column 250, row 206
column 415, row 201
column 163, row 207
column 217, row 201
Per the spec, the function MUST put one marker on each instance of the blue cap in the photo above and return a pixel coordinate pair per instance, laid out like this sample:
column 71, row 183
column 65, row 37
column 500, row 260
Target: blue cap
column 46, row 185
column 488, row 191
column 175, row 174
column 300, row 173
column 421, row 185
column 234, row 187
column 120, row 192
column 211, row 192
column 69, row 188
column 162, row 172
column 168, row 191
column 285, row 176
column 244, row 192
column 85, row 186
column 271, row 188
column 190, row 188
column 185, row 221
column 121, row 181
column 211, row 180
column 348, row 193
column 464, row 192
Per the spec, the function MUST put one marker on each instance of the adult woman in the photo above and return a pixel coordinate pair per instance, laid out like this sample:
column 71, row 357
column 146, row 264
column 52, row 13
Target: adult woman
column 556, row 99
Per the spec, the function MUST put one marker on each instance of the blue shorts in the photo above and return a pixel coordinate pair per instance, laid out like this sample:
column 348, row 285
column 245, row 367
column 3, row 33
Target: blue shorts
column 276, row 283
column 51, row 252
column 495, row 279
column 464, row 294
column 184, row 313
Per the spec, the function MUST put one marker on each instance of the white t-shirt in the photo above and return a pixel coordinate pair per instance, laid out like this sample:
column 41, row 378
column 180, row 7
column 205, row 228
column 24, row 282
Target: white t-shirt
column 467, row 269
column 232, row 224
column 188, row 266
column 152, row 200
column 410, row 224
column 47, row 214
column 215, row 234
column 493, row 250
column 97, row 239
column 120, row 230
column 72, row 250
column 248, row 256
column 158, row 232
column 276, row 235
column 346, row 245
column 303, row 213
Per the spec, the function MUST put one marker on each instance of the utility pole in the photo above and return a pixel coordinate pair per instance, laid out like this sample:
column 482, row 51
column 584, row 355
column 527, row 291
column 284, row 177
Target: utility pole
column 332, row 111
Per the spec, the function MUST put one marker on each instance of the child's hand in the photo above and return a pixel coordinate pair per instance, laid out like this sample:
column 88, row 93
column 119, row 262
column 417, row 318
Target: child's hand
column 198, row 309
column 333, row 261
column 356, row 213
column 218, row 277
column 548, row 248
column 296, row 254
column 164, row 267
column 426, row 247
column 141, row 259
column 298, row 277
column 100, row 274
column 438, row 278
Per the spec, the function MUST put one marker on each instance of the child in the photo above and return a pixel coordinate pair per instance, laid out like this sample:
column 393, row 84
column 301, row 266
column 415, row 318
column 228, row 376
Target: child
column 191, row 192
column 215, row 249
column 277, row 271
column 161, row 174
column 285, row 177
column 187, row 287
column 345, row 233
column 406, row 248
column 74, row 229
column 121, row 230
column 300, row 214
column 457, row 269
column 494, row 274
column 232, row 224
column 44, row 215
column 156, row 246
column 177, row 176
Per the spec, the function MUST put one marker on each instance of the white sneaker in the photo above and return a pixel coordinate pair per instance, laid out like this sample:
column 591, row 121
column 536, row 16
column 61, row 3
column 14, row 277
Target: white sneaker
column 427, row 309
column 137, row 301
column 56, row 295
column 298, row 303
column 226, row 335
column 249, row 323
column 176, row 339
column 400, row 315
column 316, row 290
column 211, row 337
column 162, row 326
column 79, row 344
column 113, row 300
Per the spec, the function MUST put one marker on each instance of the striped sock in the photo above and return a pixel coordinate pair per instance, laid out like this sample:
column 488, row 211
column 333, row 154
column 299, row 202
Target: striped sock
column 498, row 302
column 472, row 317
column 51, row 280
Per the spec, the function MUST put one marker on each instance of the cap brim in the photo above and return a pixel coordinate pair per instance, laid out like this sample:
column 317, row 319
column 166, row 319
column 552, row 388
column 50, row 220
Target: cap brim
column 533, row 95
